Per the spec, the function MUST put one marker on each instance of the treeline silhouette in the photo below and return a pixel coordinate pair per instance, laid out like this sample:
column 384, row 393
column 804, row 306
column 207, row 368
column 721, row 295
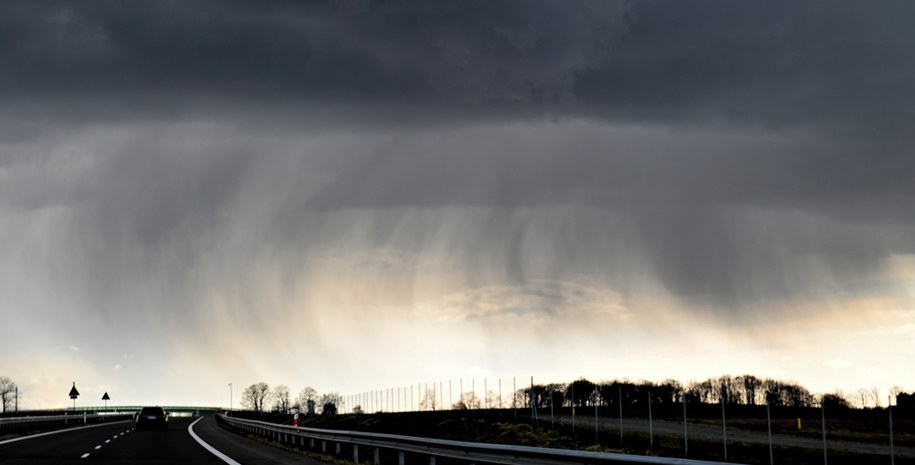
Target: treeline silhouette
column 731, row 390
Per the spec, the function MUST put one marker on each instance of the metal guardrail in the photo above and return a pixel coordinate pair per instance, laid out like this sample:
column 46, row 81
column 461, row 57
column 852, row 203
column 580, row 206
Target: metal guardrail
column 44, row 421
column 471, row 452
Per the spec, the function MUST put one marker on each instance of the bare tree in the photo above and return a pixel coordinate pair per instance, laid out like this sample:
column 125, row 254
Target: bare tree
column 254, row 395
column 330, row 403
column 875, row 395
column 895, row 391
column 429, row 400
column 305, row 395
column 281, row 401
column 579, row 392
column 861, row 395
column 469, row 400
column 834, row 401
column 750, row 387
column 7, row 392
column 493, row 400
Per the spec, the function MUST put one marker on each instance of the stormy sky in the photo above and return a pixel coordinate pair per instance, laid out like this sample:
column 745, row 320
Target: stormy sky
column 359, row 195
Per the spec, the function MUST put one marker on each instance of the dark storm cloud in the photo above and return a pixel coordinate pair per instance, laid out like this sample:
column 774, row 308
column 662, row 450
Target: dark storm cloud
column 802, row 106
column 306, row 52
column 844, row 63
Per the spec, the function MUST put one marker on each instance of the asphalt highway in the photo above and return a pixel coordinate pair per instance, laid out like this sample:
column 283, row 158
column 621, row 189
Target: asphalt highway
column 120, row 443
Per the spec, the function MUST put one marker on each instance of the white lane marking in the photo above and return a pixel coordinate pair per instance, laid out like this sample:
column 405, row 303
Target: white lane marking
column 225, row 458
column 84, row 455
column 23, row 438
column 98, row 447
column 107, row 441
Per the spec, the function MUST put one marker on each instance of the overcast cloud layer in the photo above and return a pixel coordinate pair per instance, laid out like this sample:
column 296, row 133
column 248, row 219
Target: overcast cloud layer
column 480, row 180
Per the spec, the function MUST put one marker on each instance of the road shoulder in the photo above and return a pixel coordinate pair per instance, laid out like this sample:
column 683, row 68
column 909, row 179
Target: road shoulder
column 244, row 450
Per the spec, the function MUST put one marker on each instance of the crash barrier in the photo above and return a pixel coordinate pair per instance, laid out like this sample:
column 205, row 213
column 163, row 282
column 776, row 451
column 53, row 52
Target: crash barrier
column 14, row 424
column 470, row 452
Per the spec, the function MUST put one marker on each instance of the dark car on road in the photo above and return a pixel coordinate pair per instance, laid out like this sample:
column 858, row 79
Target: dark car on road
column 152, row 418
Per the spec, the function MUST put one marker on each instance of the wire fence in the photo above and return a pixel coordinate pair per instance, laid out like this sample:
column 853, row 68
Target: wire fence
column 645, row 420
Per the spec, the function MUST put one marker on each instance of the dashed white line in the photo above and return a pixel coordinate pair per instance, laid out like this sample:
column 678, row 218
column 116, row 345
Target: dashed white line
column 107, row 441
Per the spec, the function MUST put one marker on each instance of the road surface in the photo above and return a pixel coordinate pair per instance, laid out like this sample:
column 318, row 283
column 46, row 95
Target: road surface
column 120, row 443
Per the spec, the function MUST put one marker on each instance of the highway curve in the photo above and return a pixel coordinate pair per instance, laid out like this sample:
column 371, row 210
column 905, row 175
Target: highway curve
column 120, row 443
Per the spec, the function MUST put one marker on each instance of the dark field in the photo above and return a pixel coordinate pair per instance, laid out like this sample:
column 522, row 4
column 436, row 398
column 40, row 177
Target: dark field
column 854, row 436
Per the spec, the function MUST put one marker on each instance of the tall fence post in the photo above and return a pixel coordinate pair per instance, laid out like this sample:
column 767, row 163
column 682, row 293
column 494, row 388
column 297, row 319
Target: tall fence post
column 823, row 425
column 685, row 431
column 596, row 436
column 552, row 414
column 889, row 409
column 769, row 424
column 650, row 425
column 534, row 419
column 724, row 428
column 620, row 404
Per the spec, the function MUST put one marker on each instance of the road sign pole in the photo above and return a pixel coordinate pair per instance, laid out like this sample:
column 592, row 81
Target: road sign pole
column 73, row 395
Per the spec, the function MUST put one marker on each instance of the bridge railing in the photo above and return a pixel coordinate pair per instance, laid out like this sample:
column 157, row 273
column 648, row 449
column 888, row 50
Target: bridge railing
column 113, row 409
column 470, row 452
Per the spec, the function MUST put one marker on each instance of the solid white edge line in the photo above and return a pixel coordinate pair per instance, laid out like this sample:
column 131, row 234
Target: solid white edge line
column 67, row 430
column 225, row 458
